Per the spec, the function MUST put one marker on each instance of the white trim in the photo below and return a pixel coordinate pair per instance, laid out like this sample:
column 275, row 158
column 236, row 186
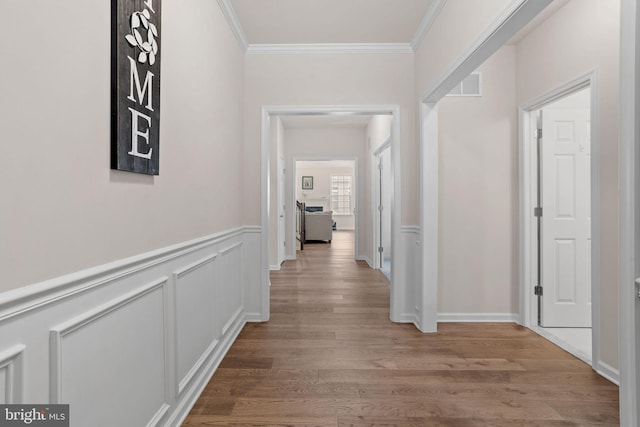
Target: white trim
column 234, row 317
column 429, row 211
column 267, row 112
column 228, row 249
column 528, row 190
column 629, row 179
column 160, row 413
column 365, row 259
column 57, row 333
column 415, row 229
column 182, row 409
column 562, row 344
column 477, row 318
column 13, row 361
column 22, row 300
column 234, row 23
column 194, row 266
column 426, row 23
column 274, row 268
column 329, row 48
column 184, row 382
column 252, row 229
column 610, row 374
column 507, row 24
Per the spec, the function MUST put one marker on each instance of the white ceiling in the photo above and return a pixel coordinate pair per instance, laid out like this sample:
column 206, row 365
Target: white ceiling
column 330, row 21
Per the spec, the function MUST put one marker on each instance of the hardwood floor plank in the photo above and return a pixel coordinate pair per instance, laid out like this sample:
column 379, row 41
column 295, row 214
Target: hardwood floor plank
column 331, row 357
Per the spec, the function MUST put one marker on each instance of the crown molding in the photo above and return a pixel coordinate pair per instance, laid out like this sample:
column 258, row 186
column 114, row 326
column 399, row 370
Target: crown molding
column 329, row 48
column 234, row 23
column 427, row 22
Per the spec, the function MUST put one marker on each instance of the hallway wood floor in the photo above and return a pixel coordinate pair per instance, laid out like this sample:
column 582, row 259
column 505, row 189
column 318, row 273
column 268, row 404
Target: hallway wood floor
column 330, row 357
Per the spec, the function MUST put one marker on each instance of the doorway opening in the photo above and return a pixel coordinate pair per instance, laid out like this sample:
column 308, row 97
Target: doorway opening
column 560, row 220
column 273, row 140
column 327, row 192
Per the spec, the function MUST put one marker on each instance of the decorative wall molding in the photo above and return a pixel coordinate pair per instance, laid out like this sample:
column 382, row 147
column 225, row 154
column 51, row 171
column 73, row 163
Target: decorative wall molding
column 182, row 383
column 232, row 19
column 37, row 296
column 125, row 316
column 329, row 48
column 11, row 362
column 194, row 266
column 228, row 249
column 200, row 381
column 231, row 266
column 58, row 333
column 478, row 317
column 427, row 22
column 410, row 229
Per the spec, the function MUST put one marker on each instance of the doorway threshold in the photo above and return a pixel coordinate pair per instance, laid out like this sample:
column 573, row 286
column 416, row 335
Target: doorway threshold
column 577, row 341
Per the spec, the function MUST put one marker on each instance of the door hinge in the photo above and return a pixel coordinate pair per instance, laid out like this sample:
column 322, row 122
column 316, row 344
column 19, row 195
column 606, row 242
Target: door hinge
column 380, row 167
column 380, row 208
column 537, row 212
column 539, row 134
column 538, row 290
column 380, row 249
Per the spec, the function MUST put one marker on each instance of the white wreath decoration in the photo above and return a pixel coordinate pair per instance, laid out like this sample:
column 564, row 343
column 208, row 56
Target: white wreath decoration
column 149, row 47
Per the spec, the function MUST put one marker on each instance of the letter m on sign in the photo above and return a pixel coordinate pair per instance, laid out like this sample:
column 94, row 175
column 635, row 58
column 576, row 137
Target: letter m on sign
column 135, row 85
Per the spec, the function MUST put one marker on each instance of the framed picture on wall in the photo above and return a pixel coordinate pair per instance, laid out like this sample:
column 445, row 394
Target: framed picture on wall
column 307, row 183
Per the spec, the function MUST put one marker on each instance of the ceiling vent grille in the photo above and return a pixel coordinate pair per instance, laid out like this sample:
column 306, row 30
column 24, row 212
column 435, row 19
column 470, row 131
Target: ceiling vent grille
column 471, row 86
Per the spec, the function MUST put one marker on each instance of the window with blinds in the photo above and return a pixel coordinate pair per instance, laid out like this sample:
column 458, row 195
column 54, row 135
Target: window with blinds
column 341, row 194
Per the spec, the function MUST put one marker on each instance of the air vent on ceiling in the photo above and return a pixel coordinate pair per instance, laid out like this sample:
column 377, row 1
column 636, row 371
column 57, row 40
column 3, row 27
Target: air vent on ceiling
column 471, row 86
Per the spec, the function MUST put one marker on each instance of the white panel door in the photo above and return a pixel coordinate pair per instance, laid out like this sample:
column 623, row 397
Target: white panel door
column 566, row 220
column 281, row 210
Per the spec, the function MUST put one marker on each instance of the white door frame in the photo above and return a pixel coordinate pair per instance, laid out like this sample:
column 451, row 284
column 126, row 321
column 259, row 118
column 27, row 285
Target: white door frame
column 518, row 14
column 292, row 179
column 629, row 213
column 396, row 197
column 375, row 202
column 282, row 200
column 528, row 200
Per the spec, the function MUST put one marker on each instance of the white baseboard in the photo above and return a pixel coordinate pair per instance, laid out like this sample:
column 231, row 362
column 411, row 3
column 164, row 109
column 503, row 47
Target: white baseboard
column 365, row 259
column 478, row 317
column 608, row 372
column 274, row 268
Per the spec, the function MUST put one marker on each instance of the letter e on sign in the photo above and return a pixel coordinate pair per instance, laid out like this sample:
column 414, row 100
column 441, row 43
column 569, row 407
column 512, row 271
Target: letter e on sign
column 135, row 85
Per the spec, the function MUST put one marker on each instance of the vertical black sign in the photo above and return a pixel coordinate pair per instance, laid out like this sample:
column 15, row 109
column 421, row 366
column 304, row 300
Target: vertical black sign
column 135, row 85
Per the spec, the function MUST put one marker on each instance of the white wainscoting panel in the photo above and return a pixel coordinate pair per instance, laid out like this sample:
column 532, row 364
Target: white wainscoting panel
column 115, row 345
column 133, row 342
column 251, row 276
column 408, row 264
column 197, row 325
column 11, row 373
column 231, row 289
